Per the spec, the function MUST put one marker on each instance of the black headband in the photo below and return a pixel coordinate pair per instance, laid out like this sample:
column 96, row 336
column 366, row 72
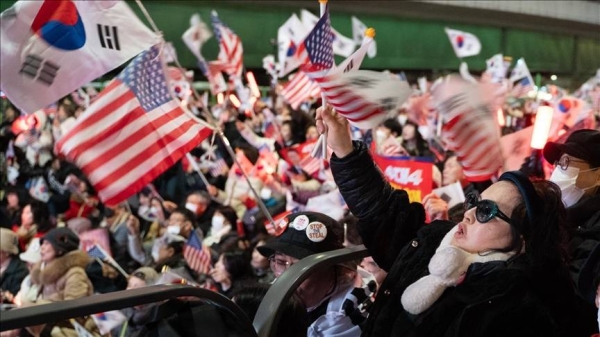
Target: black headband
column 525, row 186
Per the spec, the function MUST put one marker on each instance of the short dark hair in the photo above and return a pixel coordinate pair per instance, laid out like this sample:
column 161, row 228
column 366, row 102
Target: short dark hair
column 237, row 264
column 393, row 125
column 187, row 214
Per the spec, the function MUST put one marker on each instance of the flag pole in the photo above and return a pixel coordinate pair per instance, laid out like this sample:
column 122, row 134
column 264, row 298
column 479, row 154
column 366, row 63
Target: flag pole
column 323, row 9
column 261, row 204
column 197, row 168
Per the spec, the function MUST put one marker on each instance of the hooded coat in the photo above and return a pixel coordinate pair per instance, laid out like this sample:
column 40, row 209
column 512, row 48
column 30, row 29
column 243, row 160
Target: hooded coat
column 496, row 298
column 64, row 278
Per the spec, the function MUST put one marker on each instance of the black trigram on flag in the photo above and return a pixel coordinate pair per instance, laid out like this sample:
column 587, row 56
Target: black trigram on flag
column 39, row 69
column 349, row 66
column 108, row 37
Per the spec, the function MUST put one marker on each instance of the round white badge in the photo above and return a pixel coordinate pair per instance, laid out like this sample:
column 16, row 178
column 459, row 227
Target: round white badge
column 316, row 231
column 300, row 222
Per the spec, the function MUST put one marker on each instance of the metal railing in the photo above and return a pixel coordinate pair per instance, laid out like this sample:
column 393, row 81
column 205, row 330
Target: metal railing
column 265, row 322
column 269, row 312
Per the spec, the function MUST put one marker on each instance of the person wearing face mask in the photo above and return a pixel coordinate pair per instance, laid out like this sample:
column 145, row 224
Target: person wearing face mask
column 222, row 235
column 577, row 173
column 200, row 203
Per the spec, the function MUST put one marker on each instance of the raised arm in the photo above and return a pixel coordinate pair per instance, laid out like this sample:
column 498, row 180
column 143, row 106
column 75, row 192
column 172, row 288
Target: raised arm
column 387, row 220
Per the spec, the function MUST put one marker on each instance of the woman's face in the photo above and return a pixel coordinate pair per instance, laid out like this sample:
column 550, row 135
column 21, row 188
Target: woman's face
column 453, row 171
column 27, row 216
column 220, row 274
column 160, row 216
column 312, row 133
column 135, row 282
column 475, row 237
column 164, row 252
column 408, row 132
column 13, row 200
column 47, row 251
column 258, row 260
column 286, row 132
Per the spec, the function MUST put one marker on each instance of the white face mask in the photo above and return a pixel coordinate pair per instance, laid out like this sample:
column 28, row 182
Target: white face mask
column 217, row 223
column 265, row 193
column 191, row 207
column 173, row 229
column 566, row 179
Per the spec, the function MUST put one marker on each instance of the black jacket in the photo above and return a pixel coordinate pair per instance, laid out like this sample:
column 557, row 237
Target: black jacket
column 13, row 275
column 495, row 299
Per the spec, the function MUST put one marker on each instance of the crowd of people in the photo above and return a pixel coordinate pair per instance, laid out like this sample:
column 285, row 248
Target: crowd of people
column 519, row 257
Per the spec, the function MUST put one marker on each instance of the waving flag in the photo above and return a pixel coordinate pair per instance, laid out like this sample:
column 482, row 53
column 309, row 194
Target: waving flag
column 497, row 67
column 300, row 89
column 51, row 48
column 231, row 52
column 358, row 34
column 521, row 79
column 341, row 44
column 106, row 321
column 196, row 255
column 469, row 129
column 195, row 36
column 133, row 132
column 464, row 44
column 291, row 53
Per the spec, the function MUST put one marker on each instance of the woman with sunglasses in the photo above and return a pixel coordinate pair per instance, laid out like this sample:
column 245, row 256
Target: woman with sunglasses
column 499, row 272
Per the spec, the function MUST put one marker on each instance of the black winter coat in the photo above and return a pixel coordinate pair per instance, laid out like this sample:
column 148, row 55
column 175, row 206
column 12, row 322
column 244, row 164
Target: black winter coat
column 495, row 299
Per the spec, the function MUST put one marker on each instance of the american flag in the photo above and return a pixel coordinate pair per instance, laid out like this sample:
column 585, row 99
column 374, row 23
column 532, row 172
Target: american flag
column 196, row 255
column 133, row 132
column 470, row 129
column 220, row 167
column 359, row 110
column 97, row 252
column 230, row 59
column 300, row 89
column 319, row 46
column 310, row 165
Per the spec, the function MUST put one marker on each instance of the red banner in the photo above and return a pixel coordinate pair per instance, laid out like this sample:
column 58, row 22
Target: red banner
column 415, row 177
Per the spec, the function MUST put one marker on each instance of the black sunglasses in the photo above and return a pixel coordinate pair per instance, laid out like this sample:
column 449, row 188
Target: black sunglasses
column 486, row 209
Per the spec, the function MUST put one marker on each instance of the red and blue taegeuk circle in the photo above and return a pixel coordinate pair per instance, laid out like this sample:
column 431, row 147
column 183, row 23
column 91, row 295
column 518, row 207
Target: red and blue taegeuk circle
column 460, row 41
column 60, row 25
column 564, row 105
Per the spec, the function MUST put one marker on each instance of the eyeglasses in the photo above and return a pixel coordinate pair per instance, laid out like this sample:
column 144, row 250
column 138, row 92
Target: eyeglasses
column 565, row 161
column 486, row 209
column 278, row 265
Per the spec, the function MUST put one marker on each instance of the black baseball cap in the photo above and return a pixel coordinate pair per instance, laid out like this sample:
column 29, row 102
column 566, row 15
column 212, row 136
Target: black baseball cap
column 583, row 144
column 305, row 233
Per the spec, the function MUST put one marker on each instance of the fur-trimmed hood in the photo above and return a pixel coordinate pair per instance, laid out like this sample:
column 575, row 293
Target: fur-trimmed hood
column 59, row 267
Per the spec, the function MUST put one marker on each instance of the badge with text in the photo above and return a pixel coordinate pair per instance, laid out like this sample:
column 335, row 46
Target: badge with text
column 300, row 222
column 282, row 225
column 316, row 231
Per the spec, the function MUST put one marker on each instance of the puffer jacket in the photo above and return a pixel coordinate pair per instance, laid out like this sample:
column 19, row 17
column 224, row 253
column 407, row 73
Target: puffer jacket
column 495, row 298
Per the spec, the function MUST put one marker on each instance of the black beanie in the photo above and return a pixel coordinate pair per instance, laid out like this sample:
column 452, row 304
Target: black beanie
column 62, row 239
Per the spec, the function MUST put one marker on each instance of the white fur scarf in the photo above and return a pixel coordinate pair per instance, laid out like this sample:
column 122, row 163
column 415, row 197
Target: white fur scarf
column 446, row 268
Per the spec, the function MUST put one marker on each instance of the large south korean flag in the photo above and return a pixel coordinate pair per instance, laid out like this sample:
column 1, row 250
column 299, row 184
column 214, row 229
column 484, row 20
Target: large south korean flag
column 51, row 48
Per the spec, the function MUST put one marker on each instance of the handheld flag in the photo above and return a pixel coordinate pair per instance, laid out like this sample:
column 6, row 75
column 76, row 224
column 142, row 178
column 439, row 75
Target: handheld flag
column 196, row 254
column 469, row 129
column 521, row 79
column 133, row 132
column 300, row 89
column 106, row 321
column 341, row 44
column 358, row 34
column 231, row 52
column 290, row 49
column 464, row 44
column 51, row 48
column 497, row 67
column 195, row 36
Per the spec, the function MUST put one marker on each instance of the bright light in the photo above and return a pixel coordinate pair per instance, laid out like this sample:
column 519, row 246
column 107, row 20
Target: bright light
column 252, row 84
column 220, row 98
column 501, row 120
column 553, row 77
column 234, row 100
column 541, row 128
